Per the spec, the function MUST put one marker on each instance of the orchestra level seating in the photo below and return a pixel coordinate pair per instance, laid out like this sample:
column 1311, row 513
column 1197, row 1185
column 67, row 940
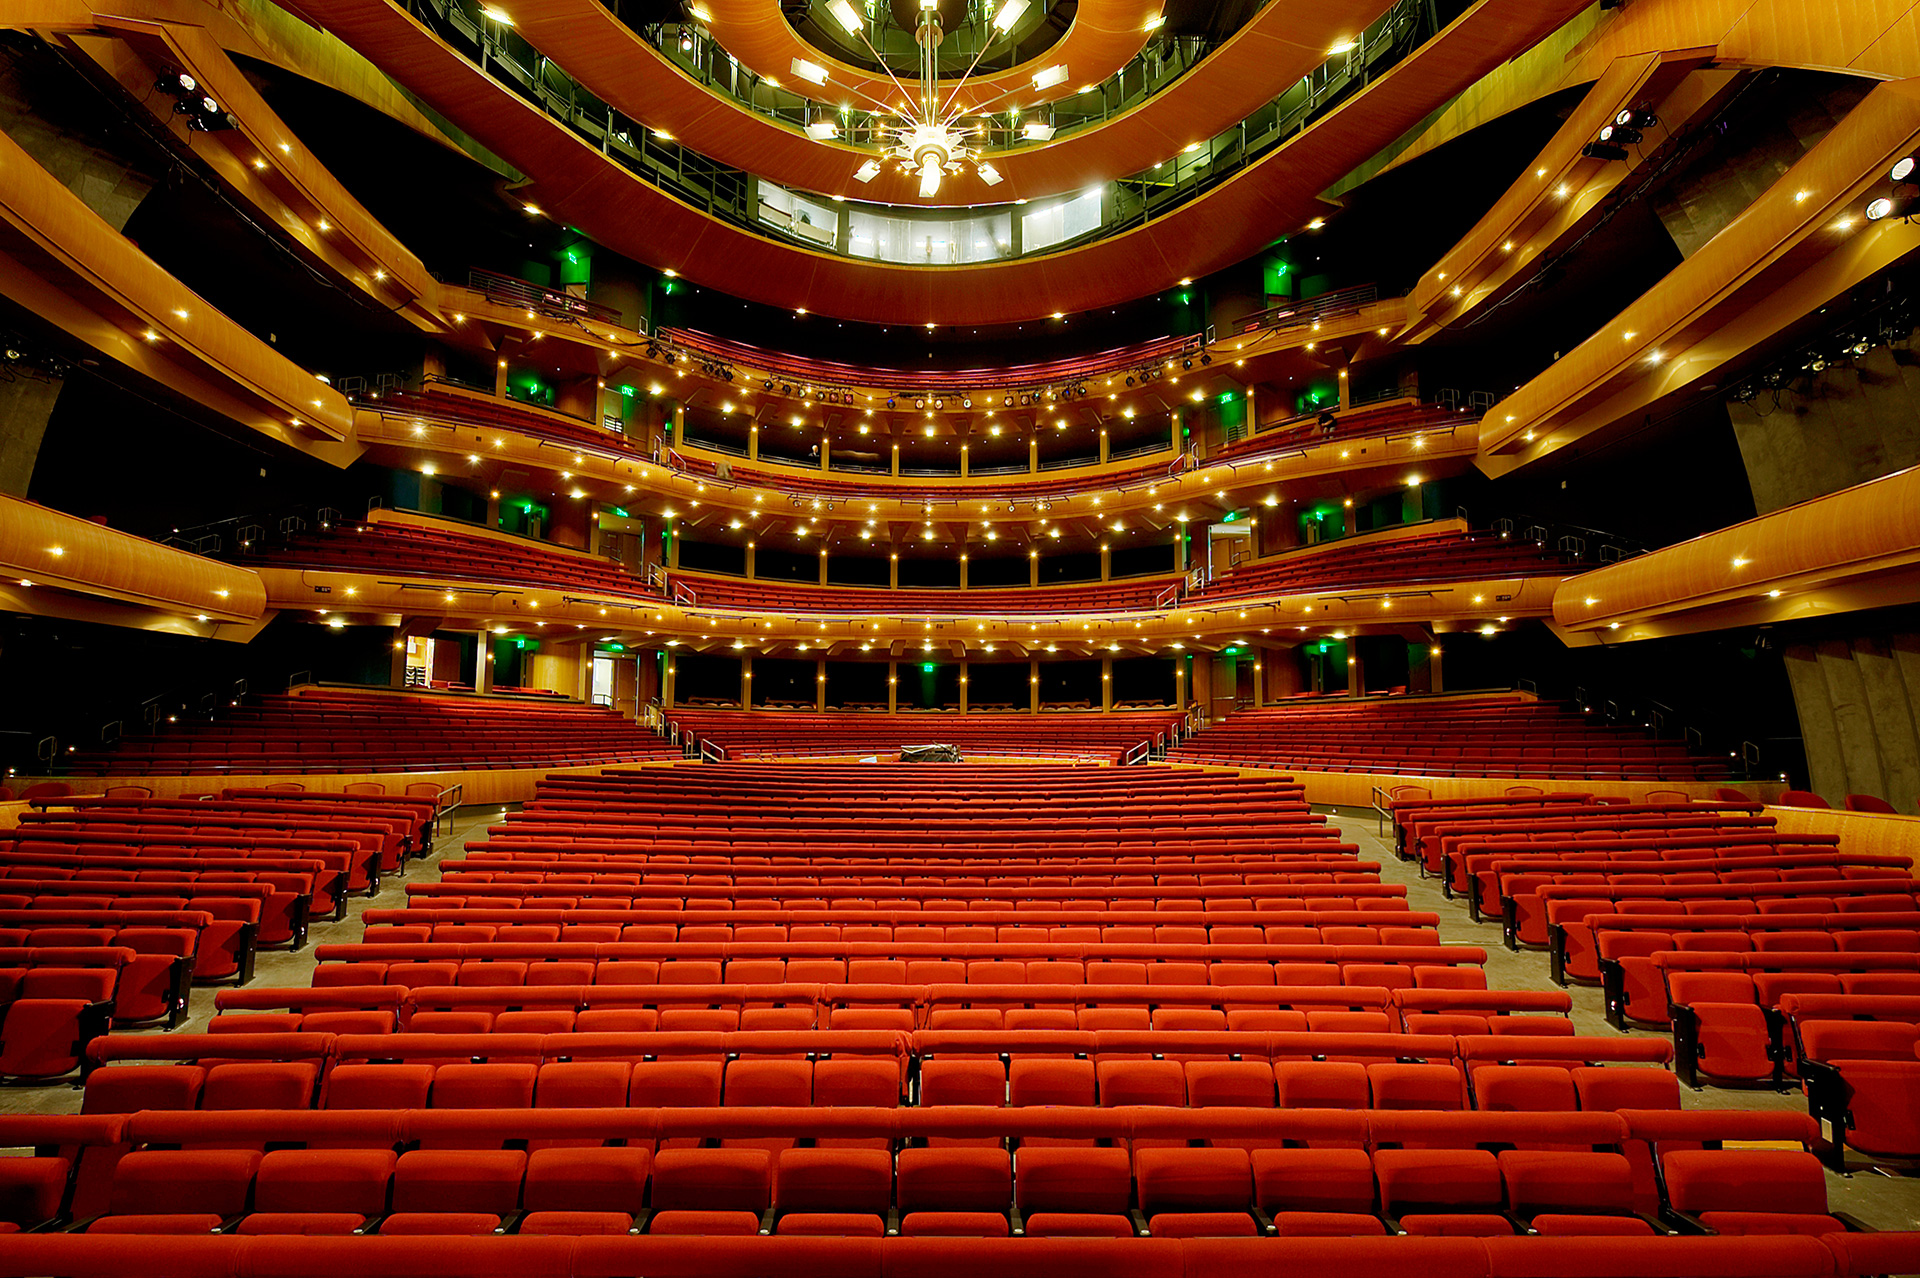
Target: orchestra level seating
column 735, row 1017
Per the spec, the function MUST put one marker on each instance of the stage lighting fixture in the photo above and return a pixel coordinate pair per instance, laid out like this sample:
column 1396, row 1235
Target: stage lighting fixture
column 1603, row 151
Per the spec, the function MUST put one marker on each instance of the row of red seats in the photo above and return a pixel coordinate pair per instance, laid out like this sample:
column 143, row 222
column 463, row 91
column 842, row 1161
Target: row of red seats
column 862, row 962
column 770, row 594
column 1855, row 1056
column 1383, row 563
column 462, row 924
column 281, row 900
column 1288, row 1174
column 54, row 1001
column 504, row 1069
column 1398, row 417
column 1725, row 1006
column 511, row 883
column 100, row 933
column 1719, row 947
column 744, row 734
column 1475, row 737
column 318, row 869
column 223, row 922
column 1493, row 871
column 331, row 731
column 724, row 1009
column 450, row 554
column 1523, row 909
column 153, row 985
column 1431, row 840
column 1594, row 943
column 1839, row 1255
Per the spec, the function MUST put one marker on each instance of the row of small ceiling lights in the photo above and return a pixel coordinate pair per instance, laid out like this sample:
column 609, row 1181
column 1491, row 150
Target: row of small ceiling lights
column 986, row 507
column 1627, row 129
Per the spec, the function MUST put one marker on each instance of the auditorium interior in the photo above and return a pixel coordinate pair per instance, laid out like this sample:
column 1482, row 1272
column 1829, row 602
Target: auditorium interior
column 907, row 638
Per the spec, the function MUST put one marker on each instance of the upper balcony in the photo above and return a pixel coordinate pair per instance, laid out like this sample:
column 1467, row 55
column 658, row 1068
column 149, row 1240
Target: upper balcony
column 1221, row 199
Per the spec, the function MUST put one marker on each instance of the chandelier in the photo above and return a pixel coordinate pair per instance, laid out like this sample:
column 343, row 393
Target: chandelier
column 924, row 138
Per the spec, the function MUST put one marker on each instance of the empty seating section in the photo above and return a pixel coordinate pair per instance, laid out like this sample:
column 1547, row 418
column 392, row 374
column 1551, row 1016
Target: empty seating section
column 763, row 594
column 1772, row 959
column 1382, row 562
column 1067, row 735
column 446, row 553
column 479, row 413
column 1398, row 417
column 1456, row 737
column 113, row 909
column 942, row 1006
column 334, row 730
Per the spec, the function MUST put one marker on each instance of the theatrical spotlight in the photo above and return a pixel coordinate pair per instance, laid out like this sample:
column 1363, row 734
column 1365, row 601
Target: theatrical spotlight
column 1603, row 151
column 189, row 99
column 1899, row 204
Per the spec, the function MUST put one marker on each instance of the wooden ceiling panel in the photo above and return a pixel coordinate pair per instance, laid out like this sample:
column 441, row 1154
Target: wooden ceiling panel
column 1105, row 35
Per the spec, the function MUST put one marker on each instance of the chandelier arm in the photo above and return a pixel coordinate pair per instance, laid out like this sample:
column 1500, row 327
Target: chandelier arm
column 981, row 108
column 963, row 80
column 890, row 75
column 881, row 107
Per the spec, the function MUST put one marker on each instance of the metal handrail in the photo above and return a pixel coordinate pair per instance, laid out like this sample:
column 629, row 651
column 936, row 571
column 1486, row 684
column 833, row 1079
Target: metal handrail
column 547, row 301
column 1310, row 310
column 297, row 678
column 711, row 753
column 446, row 803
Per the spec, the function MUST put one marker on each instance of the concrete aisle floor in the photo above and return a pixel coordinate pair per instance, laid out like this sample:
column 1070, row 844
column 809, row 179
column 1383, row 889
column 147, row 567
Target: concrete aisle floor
column 1883, row 1202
